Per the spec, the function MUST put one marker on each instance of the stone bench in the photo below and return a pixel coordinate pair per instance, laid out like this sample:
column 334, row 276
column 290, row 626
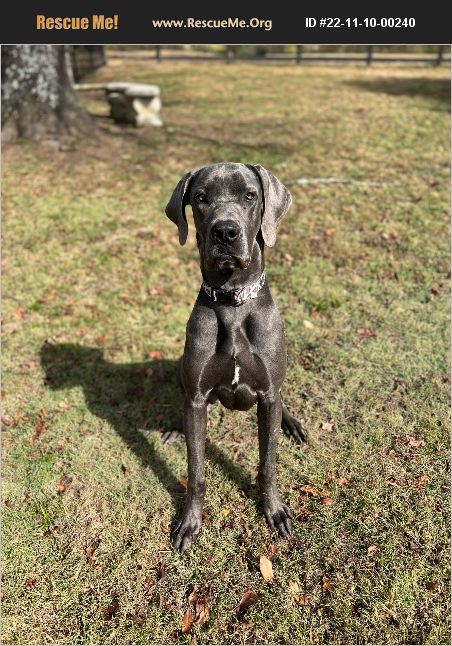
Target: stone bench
column 135, row 103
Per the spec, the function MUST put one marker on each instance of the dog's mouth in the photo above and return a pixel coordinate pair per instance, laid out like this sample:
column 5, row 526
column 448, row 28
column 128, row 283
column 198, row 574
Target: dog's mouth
column 225, row 261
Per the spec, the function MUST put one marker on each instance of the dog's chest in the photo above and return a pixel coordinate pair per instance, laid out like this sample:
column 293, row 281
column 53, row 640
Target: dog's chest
column 235, row 347
column 238, row 370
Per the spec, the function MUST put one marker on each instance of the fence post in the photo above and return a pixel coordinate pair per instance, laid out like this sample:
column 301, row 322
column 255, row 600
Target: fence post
column 439, row 60
column 158, row 52
column 370, row 51
column 231, row 53
column 299, row 55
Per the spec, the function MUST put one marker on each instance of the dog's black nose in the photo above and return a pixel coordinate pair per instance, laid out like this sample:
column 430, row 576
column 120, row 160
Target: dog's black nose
column 225, row 231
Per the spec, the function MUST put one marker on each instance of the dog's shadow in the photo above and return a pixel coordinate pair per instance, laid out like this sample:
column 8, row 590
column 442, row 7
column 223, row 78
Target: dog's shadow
column 132, row 398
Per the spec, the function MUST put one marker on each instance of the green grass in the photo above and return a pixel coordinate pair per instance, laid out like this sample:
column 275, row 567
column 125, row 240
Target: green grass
column 94, row 281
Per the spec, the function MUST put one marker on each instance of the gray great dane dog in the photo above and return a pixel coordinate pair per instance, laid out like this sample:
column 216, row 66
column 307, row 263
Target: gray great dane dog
column 235, row 350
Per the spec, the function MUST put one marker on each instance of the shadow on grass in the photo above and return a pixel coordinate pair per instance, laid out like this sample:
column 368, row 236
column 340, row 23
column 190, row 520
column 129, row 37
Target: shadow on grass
column 132, row 397
column 434, row 89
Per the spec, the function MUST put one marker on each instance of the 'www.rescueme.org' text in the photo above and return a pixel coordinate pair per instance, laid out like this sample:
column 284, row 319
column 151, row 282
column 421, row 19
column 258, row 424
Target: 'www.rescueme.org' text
column 212, row 23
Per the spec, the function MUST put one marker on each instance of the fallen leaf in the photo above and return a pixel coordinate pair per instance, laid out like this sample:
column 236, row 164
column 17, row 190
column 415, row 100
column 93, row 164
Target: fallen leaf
column 62, row 484
column 266, row 568
column 198, row 611
column 414, row 443
column 343, row 481
column 202, row 613
column 108, row 612
column 366, row 333
column 187, row 621
column 327, row 501
column 40, row 424
column 183, row 483
column 7, row 421
column 272, row 550
column 310, row 489
column 248, row 599
column 160, row 570
column 288, row 258
column 30, row 582
column 156, row 355
column 394, row 483
column 308, row 324
column 139, row 619
column 193, row 597
column 125, row 298
column 328, row 426
column 328, row 232
column 326, row 584
column 422, row 480
column 300, row 599
column 431, row 585
column 60, row 444
column 19, row 313
column 101, row 340
column 372, row 549
column 304, row 600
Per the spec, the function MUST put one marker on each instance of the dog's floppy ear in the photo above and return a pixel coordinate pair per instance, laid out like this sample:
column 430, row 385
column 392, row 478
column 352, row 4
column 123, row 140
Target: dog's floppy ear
column 277, row 201
column 175, row 209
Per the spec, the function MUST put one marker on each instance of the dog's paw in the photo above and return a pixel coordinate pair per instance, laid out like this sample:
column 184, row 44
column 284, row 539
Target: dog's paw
column 294, row 429
column 279, row 519
column 173, row 435
column 185, row 532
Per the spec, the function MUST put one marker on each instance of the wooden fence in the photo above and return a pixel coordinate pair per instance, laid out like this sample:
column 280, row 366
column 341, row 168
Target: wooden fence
column 86, row 59
column 229, row 53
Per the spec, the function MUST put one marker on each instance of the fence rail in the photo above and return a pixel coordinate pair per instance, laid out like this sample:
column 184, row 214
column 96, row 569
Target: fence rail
column 302, row 55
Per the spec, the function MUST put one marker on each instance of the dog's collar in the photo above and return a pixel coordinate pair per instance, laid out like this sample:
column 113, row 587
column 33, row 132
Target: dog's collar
column 235, row 296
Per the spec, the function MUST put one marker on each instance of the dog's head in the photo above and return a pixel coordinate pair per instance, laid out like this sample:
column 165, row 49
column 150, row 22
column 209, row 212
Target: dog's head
column 231, row 204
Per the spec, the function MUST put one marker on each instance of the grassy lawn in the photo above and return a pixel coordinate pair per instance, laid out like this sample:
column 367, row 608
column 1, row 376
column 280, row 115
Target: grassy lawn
column 97, row 293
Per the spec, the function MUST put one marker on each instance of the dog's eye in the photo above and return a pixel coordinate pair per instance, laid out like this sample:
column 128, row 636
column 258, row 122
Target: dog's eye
column 201, row 197
column 250, row 196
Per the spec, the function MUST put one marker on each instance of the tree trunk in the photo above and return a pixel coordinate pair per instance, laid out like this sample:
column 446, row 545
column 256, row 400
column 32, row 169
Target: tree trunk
column 38, row 98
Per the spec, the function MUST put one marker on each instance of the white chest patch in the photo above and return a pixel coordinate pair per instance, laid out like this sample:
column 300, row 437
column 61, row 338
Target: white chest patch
column 235, row 381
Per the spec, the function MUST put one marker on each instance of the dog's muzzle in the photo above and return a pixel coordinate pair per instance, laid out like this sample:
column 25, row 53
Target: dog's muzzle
column 226, row 246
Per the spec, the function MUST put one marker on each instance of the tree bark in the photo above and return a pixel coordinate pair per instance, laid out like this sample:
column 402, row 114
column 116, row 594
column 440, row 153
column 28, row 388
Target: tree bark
column 38, row 98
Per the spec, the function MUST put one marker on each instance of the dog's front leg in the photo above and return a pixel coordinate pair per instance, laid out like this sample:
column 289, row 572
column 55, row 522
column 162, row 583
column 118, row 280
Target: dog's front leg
column 195, row 426
column 278, row 515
